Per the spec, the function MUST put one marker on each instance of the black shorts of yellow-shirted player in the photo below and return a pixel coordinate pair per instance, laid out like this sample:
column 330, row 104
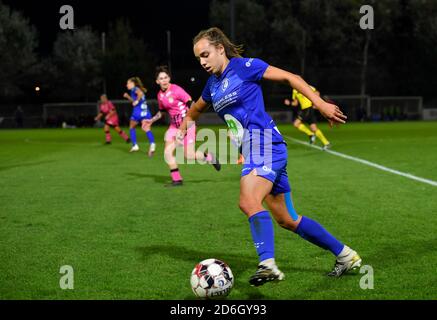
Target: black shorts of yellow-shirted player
column 230, row 73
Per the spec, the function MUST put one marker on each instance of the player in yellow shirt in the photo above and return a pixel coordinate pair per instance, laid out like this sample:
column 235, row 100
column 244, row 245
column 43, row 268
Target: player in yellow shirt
column 306, row 113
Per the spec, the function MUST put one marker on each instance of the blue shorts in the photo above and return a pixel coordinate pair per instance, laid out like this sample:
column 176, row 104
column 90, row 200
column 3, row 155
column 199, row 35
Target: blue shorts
column 140, row 113
column 274, row 170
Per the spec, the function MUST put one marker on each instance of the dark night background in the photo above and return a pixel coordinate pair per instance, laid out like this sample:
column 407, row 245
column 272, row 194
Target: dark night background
column 321, row 40
column 149, row 20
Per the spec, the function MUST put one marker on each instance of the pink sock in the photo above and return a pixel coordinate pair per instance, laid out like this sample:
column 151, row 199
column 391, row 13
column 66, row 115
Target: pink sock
column 124, row 135
column 108, row 136
column 208, row 157
column 175, row 175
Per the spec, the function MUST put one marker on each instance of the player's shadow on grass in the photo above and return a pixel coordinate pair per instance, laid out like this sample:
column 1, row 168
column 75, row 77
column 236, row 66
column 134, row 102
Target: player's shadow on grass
column 163, row 179
column 238, row 263
column 26, row 164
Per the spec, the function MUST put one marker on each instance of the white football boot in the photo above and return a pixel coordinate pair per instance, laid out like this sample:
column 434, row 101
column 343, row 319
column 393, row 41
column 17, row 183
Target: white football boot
column 134, row 148
column 347, row 260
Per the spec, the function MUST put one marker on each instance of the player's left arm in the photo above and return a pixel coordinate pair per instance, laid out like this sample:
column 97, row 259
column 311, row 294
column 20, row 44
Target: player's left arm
column 329, row 111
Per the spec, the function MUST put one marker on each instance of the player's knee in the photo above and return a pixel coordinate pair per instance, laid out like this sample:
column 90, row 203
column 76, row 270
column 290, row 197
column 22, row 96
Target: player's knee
column 248, row 206
column 168, row 155
column 244, row 207
column 190, row 155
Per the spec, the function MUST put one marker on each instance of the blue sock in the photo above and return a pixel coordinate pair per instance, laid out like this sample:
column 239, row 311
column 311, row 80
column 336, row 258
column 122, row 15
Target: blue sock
column 313, row 232
column 150, row 136
column 133, row 136
column 261, row 227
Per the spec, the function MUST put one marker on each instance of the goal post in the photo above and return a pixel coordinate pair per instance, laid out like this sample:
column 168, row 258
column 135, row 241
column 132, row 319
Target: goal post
column 354, row 106
column 370, row 108
column 54, row 114
column 395, row 108
column 83, row 113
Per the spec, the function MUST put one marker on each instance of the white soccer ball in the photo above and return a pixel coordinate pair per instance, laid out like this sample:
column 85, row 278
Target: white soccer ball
column 211, row 278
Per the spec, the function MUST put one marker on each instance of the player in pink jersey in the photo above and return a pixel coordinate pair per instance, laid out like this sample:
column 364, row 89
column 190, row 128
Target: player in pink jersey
column 176, row 102
column 107, row 110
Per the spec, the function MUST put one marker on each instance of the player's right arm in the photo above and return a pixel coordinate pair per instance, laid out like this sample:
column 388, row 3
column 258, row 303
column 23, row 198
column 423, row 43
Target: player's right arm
column 147, row 123
column 192, row 115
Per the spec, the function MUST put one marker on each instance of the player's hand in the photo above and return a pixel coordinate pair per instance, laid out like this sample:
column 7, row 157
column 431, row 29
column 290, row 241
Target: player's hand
column 332, row 113
column 135, row 103
column 146, row 124
column 126, row 95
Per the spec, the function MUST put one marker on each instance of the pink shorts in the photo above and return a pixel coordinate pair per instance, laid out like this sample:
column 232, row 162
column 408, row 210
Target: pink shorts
column 190, row 137
column 113, row 121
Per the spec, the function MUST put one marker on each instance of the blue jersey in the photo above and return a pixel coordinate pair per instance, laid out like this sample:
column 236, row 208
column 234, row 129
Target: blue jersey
column 237, row 98
column 140, row 111
column 134, row 96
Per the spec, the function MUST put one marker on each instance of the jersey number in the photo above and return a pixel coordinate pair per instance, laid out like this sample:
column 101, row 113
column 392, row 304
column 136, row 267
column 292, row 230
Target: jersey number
column 144, row 110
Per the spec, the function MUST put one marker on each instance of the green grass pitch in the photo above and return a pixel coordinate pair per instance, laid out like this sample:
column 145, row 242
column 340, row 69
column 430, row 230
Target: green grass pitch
column 67, row 199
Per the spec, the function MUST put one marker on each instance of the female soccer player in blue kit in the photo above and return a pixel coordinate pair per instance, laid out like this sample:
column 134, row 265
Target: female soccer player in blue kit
column 140, row 112
column 235, row 93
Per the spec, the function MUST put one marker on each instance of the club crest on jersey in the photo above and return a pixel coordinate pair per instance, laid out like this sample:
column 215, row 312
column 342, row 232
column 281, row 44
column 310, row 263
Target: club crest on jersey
column 225, row 84
column 249, row 63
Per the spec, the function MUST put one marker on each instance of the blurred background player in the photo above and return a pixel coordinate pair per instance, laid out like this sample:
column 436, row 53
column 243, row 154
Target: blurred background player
column 176, row 101
column 107, row 110
column 306, row 113
column 19, row 117
column 140, row 112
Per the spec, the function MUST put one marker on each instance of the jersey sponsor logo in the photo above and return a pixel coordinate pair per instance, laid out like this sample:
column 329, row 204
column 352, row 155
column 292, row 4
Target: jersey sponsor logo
column 225, row 101
column 236, row 129
column 171, row 100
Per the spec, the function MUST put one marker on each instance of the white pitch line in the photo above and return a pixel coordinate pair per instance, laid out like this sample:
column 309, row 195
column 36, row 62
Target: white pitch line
column 368, row 163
